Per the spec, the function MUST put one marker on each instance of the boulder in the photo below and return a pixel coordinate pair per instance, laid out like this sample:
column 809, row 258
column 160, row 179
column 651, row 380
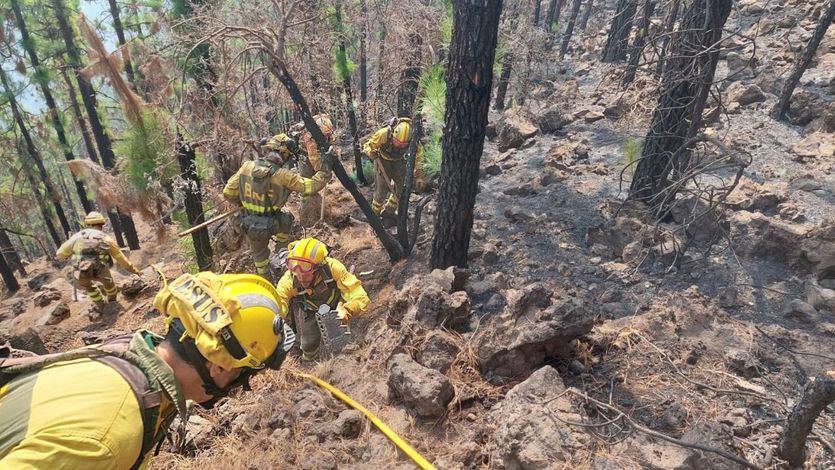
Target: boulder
column 820, row 297
column 738, row 64
column 132, row 286
column 450, row 279
column 745, row 94
column 438, row 352
column 429, row 302
column 424, row 391
column 815, row 146
column 517, row 346
column 514, row 128
column 593, row 116
column 309, row 403
column 553, row 119
column 760, row 236
column 806, row 106
column 38, row 281
column 526, row 435
column 26, row 340
column 58, row 313
column 800, row 310
column 46, row 296
column 347, row 425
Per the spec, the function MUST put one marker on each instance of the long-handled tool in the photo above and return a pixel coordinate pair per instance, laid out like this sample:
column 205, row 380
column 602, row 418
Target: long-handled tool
column 209, row 222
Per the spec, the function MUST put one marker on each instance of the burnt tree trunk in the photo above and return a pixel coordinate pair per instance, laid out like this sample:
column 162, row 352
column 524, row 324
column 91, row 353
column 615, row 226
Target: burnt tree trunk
column 120, row 35
column 584, row 23
column 34, row 154
column 569, row 27
column 683, row 93
column 553, row 14
column 504, row 80
column 816, row 397
column 363, row 59
column 469, row 83
column 88, row 97
column 8, row 276
column 42, row 80
column 193, row 195
column 10, row 253
column 616, row 43
column 537, row 7
column 350, row 109
column 39, row 200
column 407, row 93
column 637, row 49
column 782, row 106
column 381, row 64
column 79, row 119
column 669, row 26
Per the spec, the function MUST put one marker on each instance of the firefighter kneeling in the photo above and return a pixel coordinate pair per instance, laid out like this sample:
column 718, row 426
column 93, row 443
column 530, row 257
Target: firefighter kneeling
column 314, row 279
column 109, row 405
column 94, row 252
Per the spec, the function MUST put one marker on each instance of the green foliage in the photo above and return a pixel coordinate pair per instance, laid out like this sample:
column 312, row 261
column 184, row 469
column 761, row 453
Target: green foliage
column 432, row 155
column 433, row 85
column 367, row 171
column 146, row 149
column 343, row 66
column 632, row 152
column 187, row 249
column 501, row 50
column 446, row 24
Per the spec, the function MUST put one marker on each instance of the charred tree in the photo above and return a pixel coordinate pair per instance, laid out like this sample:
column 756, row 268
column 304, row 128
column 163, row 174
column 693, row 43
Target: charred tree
column 637, row 49
column 683, row 93
column 537, row 6
column 381, row 63
column 120, row 35
column 363, row 59
column 193, row 196
column 816, row 397
column 9, row 252
column 42, row 80
column 584, row 22
column 39, row 199
column 669, row 26
column 617, row 41
column 469, row 81
column 345, row 77
column 407, row 93
column 782, row 106
column 123, row 222
column 569, row 27
column 504, row 80
column 34, row 154
column 553, row 14
column 8, row 276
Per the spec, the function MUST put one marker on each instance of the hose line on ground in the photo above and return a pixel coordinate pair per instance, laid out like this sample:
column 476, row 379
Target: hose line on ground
column 393, row 437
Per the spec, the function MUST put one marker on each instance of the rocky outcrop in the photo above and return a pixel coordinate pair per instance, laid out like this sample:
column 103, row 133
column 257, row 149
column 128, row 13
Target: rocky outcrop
column 424, row 391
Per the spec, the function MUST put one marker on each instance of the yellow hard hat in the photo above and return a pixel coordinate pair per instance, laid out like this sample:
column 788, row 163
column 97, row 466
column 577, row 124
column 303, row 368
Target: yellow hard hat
column 281, row 143
column 306, row 254
column 233, row 319
column 402, row 133
column 323, row 120
column 94, row 218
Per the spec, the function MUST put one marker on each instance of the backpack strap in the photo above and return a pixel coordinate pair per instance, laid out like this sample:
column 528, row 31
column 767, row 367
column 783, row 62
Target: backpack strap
column 116, row 354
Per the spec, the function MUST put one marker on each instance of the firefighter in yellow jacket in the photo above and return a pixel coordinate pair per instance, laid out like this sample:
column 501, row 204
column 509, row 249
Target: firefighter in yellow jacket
column 94, row 253
column 107, row 406
column 387, row 149
column 262, row 187
column 313, row 279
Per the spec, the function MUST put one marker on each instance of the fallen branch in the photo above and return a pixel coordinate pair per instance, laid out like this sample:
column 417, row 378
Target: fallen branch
column 816, row 397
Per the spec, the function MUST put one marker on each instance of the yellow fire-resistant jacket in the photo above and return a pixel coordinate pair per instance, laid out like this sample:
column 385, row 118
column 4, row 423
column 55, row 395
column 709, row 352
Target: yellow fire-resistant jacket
column 75, row 244
column 263, row 189
column 333, row 285
column 82, row 414
column 378, row 146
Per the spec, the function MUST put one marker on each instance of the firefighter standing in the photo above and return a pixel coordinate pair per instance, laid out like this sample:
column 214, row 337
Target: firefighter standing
column 387, row 149
column 313, row 279
column 94, row 253
column 108, row 406
column 262, row 187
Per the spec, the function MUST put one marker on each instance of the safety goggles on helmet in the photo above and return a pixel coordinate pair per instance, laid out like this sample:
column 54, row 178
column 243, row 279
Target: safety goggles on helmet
column 300, row 265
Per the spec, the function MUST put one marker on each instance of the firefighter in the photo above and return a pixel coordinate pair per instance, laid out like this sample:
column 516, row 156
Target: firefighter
column 262, row 187
column 312, row 160
column 94, row 253
column 313, row 279
column 387, row 148
column 109, row 405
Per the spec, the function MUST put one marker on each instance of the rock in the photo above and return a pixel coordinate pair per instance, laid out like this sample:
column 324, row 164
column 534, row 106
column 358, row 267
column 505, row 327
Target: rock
column 490, row 254
column 45, row 297
column 745, row 94
column 553, row 119
column 493, row 169
column 737, row 64
column 576, row 367
column 319, row 460
column 805, row 182
column 437, row 308
column 655, row 454
column 800, row 310
column 490, row 131
column 807, row 106
column 26, row 340
column 742, row 362
column 133, row 286
column 309, row 403
column 593, row 116
column 429, row 304
column 514, row 128
column 58, row 313
column 14, row 306
column 617, row 109
column 526, row 435
column 424, row 391
column 791, row 212
column 817, row 145
column 521, row 301
column 438, row 352
column 759, row 236
column 728, row 296
column 348, row 424
column 517, row 215
column 819, row 297
column 199, row 432
column 550, row 176
column 518, row 347
column 38, row 281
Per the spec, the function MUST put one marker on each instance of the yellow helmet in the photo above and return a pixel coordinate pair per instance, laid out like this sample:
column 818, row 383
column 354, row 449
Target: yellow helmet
column 401, row 133
column 306, row 254
column 323, row 120
column 94, row 218
column 233, row 320
column 281, row 143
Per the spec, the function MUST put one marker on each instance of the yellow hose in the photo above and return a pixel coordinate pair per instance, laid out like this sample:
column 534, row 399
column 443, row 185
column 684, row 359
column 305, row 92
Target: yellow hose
column 393, row 437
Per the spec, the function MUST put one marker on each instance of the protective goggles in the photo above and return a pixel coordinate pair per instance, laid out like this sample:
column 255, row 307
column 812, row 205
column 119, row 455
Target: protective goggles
column 300, row 265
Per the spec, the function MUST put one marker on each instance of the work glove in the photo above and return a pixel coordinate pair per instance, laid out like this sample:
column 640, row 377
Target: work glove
column 327, row 160
column 342, row 313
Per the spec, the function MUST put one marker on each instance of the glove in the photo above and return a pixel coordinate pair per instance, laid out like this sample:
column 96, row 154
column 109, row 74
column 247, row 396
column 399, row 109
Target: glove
column 327, row 160
column 342, row 314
